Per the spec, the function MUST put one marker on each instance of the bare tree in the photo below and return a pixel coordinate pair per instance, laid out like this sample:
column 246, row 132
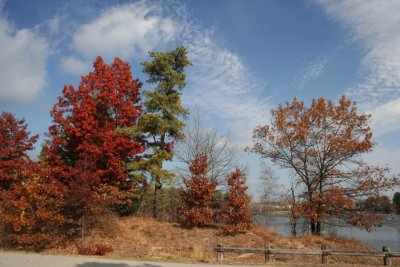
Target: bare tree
column 268, row 187
column 295, row 209
column 221, row 153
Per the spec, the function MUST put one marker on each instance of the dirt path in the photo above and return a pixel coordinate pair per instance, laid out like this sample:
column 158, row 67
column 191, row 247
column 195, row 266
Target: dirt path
column 8, row 259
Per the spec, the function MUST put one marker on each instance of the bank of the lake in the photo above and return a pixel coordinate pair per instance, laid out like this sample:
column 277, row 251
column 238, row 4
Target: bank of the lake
column 387, row 234
column 139, row 238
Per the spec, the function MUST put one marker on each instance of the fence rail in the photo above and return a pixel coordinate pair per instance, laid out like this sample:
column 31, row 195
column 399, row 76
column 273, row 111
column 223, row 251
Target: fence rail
column 324, row 252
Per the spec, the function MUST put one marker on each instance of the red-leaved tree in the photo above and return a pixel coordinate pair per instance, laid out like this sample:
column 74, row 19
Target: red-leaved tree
column 30, row 205
column 86, row 151
column 236, row 213
column 198, row 198
column 15, row 143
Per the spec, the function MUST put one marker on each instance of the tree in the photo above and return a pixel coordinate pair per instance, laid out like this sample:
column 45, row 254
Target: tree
column 378, row 204
column 32, row 210
column 295, row 209
column 15, row 143
column 198, row 197
column 396, row 201
column 161, row 124
column 30, row 205
column 322, row 144
column 86, row 149
column 221, row 153
column 268, row 187
column 236, row 213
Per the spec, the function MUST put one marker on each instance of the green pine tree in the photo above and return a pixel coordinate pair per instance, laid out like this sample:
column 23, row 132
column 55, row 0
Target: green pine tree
column 161, row 123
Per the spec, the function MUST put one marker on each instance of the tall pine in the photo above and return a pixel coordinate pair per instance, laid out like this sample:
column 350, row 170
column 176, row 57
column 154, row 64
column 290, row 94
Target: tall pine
column 161, row 123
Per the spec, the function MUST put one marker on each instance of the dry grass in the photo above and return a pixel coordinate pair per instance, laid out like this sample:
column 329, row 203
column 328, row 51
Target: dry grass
column 146, row 238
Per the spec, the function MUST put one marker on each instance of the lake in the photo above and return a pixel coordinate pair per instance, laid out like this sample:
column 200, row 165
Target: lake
column 386, row 235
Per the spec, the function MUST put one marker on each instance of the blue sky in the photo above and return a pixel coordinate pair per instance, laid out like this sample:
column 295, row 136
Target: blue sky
column 248, row 56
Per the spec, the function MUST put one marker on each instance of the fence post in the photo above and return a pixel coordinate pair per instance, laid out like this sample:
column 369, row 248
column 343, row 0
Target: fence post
column 324, row 254
column 387, row 261
column 220, row 253
column 268, row 256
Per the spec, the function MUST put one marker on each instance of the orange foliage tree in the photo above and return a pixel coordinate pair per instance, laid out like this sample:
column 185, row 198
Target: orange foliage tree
column 15, row 143
column 198, row 198
column 236, row 213
column 32, row 210
column 30, row 204
column 322, row 144
column 86, row 151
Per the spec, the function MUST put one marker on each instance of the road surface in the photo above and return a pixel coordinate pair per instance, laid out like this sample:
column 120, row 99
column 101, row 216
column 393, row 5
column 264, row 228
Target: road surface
column 9, row 259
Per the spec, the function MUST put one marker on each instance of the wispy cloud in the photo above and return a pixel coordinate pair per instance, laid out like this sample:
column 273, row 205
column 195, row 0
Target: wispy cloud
column 374, row 25
column 314, row 70
column 23, row 56
column 218, row 81
column 222, row 85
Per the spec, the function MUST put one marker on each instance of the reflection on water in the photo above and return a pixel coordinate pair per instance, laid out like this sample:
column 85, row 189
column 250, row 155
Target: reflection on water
column 386, row 235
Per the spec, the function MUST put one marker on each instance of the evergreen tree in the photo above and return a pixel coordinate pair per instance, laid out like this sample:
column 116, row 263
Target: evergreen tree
column 161, row 124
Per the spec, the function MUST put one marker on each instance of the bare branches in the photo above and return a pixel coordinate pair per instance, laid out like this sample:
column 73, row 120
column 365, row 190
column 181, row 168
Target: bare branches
column 221, row 153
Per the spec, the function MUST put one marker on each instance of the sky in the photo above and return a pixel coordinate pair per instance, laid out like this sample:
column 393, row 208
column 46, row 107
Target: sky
column 248, row 57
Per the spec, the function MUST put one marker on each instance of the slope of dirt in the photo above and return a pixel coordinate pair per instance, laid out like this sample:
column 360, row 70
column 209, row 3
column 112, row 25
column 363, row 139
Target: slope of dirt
column 148, row 239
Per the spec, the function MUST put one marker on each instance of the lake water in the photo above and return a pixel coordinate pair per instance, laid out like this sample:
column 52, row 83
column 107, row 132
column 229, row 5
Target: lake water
column 386, row 235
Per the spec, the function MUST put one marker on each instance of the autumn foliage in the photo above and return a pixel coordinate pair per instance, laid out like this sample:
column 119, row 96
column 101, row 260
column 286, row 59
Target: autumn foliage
column 198, row 198
column 32, row 212
column 102, row 149
column 86, row 151
column 15, row 143
column 322, row 144
column 30, row 204
column 236, row 213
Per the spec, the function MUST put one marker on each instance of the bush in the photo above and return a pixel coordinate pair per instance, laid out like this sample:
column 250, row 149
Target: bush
column 99, row 250
column 87, row 251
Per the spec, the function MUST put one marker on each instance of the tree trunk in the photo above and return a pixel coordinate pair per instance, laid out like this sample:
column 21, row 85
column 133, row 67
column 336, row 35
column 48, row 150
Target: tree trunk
column 315, row 227
column 157, row 187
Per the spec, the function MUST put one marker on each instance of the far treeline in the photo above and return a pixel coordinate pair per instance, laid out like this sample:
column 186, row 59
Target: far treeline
column 108, row 142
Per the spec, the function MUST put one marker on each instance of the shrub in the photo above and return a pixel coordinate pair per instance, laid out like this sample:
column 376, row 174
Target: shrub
column 99, row 250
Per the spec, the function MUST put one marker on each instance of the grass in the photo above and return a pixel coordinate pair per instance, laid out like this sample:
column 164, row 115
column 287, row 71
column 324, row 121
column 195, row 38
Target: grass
column 149, row 239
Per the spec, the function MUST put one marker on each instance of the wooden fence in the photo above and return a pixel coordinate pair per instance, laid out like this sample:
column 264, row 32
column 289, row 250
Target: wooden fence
column 324, row 252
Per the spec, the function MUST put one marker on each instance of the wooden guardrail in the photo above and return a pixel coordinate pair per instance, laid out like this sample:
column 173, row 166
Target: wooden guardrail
column 324, row 252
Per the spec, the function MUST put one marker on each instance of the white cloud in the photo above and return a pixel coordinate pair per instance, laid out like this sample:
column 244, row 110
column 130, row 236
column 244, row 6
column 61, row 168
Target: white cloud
column 75, row 65
column 53, row 24
column 382, row 156
column 124, row 31
column 23, row 56
column 375, row 25
column 386, row 117
column 218, row 81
